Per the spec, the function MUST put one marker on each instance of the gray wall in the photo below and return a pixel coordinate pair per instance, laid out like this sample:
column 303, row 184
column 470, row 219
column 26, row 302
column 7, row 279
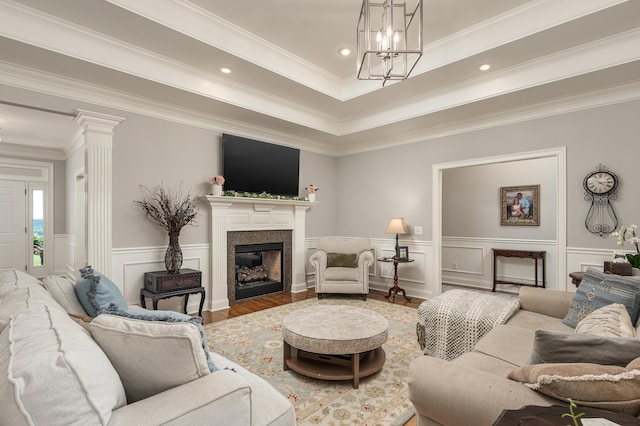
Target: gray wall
column 375, row 186
column 148, row 152
column 471, row 199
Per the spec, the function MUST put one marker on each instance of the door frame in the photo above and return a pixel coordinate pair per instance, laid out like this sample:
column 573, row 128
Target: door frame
column 559, row 153
column 36, row 175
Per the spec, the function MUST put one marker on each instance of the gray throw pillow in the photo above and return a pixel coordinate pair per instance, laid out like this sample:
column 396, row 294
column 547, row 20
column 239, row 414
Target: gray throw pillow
column 558, row 347
column 343, row 260
column 598, row 289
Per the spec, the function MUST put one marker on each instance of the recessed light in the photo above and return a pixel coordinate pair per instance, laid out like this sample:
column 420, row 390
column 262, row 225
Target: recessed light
column 344, row 51
column 225, row 70
column 485, row 67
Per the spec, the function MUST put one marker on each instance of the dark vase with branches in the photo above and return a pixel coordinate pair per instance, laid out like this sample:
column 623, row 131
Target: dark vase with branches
column 172, row 211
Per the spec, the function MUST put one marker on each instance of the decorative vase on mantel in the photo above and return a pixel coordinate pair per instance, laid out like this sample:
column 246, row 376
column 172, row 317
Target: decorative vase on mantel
column 216, row 190
column 312, row 197
column 173, row 255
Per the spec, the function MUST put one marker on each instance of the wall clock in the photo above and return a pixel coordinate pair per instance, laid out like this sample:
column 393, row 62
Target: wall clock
column 600, row 188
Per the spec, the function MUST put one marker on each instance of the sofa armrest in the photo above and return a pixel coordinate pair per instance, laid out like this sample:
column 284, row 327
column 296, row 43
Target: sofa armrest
column 553, row 303
column 222, row 395
column 453, row 394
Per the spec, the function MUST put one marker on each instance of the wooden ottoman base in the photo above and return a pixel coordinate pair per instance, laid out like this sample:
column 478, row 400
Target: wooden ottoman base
column 334, row 367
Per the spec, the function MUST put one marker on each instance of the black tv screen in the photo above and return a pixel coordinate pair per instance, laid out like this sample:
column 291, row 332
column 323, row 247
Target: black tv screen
column 253, row 166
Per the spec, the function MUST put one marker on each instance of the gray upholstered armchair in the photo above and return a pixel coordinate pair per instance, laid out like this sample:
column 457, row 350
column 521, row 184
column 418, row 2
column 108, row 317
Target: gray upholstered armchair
column 342, row 266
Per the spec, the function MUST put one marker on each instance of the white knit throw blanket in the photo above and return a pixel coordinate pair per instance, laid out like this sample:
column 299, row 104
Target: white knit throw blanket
column 451, row 324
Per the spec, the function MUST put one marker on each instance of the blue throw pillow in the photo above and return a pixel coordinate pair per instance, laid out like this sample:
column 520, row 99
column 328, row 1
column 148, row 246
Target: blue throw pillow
column 598, row 289
column 166, row 316
column 96, row 292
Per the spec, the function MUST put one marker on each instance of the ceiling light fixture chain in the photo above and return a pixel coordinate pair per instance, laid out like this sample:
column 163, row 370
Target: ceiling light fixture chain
column 389, row 40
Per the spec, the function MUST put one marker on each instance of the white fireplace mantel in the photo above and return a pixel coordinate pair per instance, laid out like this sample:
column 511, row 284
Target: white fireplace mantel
column 253, row 214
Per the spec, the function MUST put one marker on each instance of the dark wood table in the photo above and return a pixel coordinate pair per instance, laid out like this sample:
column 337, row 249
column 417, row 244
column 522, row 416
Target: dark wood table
column 533, row 415
column 396, row 289
column 173, row 293
column 523, row 254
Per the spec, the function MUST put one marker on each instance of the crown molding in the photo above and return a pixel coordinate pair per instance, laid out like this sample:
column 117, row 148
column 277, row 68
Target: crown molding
column 601, row 54
column 27, row 25
column 195, row 22
column 30, row 151
column 515, row 24
column 595, row 99
column 38, row 81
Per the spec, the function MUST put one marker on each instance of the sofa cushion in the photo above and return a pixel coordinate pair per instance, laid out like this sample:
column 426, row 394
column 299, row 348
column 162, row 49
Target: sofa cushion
column 597, row 290
column 534, row 320
column 22, row 300
column 344, row 260
column 63, row 291
column 611, row 320
column 507, row 343
column 97, row 292
column 555, row 347
column 602, row 386
column 12, row 279
column 55, row 372
column 152, row 354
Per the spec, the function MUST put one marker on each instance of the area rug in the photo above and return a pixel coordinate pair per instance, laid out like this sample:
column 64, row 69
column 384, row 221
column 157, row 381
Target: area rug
column 255, row 342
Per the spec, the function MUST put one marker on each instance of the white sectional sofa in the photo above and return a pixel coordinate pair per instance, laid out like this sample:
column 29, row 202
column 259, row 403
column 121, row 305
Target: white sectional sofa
column 58, row 374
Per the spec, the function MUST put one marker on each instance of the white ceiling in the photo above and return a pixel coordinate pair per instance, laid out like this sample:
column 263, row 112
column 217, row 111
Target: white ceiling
column 289, row 85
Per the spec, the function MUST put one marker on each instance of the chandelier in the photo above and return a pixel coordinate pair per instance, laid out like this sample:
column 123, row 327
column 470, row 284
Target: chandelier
column 389, row 40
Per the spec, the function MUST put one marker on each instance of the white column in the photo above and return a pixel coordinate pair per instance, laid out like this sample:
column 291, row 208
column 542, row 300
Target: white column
column 218, row 296
column 299, row 278
column 97, row 131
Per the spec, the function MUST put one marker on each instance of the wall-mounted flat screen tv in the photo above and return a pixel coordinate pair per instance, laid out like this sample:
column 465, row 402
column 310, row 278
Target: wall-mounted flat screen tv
column 254, row 166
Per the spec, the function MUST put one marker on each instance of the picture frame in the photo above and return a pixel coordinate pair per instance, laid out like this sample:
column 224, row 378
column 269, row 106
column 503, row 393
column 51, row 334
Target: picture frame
column 520, row 205
column 403, row 253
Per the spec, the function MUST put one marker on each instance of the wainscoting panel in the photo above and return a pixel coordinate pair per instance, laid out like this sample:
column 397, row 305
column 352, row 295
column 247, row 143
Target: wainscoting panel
column 129, row 266
column 473, row 259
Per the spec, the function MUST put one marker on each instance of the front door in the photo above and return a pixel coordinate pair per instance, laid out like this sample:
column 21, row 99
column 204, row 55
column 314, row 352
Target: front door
column 13, row 201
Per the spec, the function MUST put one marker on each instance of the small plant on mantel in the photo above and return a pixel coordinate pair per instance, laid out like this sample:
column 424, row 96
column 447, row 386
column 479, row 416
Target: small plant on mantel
column 172, row 211
column 628, row 234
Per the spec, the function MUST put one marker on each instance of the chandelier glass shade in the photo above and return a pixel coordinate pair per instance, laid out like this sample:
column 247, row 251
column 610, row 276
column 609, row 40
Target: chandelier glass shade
column 389, row 39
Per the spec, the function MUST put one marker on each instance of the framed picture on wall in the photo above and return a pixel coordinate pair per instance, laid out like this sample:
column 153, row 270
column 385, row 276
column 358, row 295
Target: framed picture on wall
column 520, row 205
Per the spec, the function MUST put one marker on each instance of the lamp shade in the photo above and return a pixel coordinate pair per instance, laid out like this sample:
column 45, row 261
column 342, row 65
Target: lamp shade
column 397, row 225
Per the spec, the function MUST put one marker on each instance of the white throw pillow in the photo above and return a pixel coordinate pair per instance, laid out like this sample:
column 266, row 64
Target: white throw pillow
column 609, row 321
column 150, row 356
column 22, row 300
column 55, row 372
column 64, row 292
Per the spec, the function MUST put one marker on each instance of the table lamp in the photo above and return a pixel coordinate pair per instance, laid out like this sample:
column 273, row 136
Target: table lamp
column 397, row 226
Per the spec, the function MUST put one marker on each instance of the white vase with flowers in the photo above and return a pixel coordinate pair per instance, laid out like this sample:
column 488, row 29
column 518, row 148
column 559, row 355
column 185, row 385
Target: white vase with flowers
column 216, row 185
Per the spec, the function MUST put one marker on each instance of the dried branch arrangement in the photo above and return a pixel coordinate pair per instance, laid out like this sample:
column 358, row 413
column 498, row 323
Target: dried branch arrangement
column 170, row 210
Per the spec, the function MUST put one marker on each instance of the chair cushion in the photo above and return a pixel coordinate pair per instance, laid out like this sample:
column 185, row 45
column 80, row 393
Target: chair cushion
column 344, row 260
column 55, row 372
column 96, row 292
column 597, row 290
column 152, row 350
column 602, row 386
column 341, row 274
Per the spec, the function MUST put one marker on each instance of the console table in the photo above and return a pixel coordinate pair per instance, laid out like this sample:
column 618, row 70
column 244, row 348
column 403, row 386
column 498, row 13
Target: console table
column 524, row 254
column 163, row 285
column 395, row 289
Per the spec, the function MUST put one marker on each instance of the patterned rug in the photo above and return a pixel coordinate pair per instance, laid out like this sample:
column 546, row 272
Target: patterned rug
column 255, row 342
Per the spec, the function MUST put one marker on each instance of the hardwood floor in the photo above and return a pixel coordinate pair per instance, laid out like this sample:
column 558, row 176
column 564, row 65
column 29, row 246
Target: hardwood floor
column 266, row 302
column 270, row 301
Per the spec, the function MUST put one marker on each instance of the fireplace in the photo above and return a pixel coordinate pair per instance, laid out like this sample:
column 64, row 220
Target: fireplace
column 258, row 270
column 233, row 220
column 258, row 263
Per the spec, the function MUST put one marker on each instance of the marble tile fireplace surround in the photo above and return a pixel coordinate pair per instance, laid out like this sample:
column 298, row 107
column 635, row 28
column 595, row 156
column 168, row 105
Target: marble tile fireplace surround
column 266, row 221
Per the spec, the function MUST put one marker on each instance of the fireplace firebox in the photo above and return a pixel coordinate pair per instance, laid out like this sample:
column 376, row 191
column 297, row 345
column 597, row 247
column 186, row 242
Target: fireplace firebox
column 258, row 270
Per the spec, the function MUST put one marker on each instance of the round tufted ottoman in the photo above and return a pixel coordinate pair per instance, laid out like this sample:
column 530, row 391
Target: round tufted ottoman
column 334, row 342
